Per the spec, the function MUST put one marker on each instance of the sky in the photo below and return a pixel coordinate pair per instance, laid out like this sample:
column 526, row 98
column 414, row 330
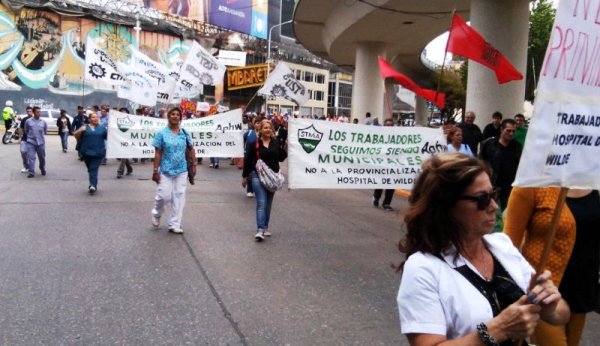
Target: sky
column 435, row 49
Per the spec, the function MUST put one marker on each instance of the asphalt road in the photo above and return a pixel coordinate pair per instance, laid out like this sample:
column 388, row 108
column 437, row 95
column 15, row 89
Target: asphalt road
column 77, row 269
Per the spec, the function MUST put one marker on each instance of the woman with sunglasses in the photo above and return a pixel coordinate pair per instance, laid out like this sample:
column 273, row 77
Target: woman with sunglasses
column 462, row 284
column 573, row 260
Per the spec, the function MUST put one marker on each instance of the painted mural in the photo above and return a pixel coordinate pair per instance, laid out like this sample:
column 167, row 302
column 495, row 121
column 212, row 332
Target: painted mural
column 42, row 56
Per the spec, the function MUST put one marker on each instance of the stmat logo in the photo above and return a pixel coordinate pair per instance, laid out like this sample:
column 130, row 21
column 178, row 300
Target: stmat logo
column 309, row 138
column 124, row 124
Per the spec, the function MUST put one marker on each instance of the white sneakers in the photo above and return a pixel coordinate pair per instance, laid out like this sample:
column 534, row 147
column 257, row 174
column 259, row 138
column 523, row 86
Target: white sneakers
column 155, row 221
column 176, row 230
column 259, row 236
column 24, row 170
column 249, row 194
column 267, row 233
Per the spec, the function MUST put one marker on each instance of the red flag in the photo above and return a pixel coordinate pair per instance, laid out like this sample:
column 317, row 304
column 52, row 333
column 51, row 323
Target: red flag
column 467, row 42
column 387, row 71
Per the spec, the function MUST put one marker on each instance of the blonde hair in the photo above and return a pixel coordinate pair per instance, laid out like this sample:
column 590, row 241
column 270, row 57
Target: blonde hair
column 262, row 124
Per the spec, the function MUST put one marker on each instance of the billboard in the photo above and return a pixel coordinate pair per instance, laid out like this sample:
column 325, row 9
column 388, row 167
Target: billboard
column 247, row 16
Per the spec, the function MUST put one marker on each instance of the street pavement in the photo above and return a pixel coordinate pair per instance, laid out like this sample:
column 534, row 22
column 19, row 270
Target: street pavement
column 77, row 269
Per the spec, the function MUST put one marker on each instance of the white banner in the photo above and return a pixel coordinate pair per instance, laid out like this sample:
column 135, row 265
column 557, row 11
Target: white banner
column 130, row 136
column 140, row 87
column 99, row 66
column 283, row 83
column 178, row 91
column 201, row 67
column 562, row 147
column 166, row 84
column 329, row 155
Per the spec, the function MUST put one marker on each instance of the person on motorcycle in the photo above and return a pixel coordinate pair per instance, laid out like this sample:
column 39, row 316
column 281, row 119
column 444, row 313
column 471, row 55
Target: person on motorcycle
column 8, row 114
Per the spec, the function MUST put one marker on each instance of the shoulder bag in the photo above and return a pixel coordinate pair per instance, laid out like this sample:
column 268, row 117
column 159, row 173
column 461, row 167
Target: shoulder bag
column 190, row 158
column 270, row 180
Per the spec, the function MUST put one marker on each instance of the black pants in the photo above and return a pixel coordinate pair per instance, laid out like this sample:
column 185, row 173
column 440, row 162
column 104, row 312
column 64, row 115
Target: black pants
column 8, row 124
column 387, row 200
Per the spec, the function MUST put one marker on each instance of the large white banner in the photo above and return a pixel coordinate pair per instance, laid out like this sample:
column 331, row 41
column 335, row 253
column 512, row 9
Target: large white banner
column 130, row 136
column 158, row 71
column 562, row 147
column 329, row 155
column 282, row 83
column 99, row 66
column 139, row 87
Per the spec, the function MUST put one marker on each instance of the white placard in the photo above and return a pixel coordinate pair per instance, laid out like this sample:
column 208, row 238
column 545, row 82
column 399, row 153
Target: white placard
column 130, row 136
column 232, row 58
column 330, row 155
column 562, row 147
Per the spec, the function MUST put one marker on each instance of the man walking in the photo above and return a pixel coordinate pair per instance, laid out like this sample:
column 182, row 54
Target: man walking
column 23, row 142
column 36, row 129
column 493, row 129
column 472, row 135
column 503, row 155
column 389, row 193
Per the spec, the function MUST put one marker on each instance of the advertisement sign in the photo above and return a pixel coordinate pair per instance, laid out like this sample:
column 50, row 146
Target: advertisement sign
column 232, row 58
column 246, row 77
column 130, row 136
column 245, row 16
column 329, row 155
column 562, row 147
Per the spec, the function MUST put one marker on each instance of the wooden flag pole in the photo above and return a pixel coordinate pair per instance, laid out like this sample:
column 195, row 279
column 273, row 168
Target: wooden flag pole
column 541, row 266
column 387, row 102
column 437, row 90
column 562, row 197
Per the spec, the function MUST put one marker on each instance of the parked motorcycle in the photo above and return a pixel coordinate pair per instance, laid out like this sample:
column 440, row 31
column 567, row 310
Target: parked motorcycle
column 12, row 133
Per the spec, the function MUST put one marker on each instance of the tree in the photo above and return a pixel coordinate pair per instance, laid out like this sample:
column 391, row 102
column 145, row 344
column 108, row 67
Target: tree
column 451, row 84
column 540, row 27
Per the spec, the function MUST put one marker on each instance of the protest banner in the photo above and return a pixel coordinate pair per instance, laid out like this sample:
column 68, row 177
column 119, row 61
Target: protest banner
column 329, row 155
column 100, row 66
column 140, row 87
column 130, row 136
column 282, row 83
column 562, row 147
column 166, row 84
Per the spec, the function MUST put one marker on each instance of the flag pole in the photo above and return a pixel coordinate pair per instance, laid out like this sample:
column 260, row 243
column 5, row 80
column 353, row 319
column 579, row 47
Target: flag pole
column 541, row 266
column 437, row 90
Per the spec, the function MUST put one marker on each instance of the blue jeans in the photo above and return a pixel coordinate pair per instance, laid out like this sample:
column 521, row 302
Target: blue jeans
column 264, row 200
column 214, row 161
column 64, row 137
column 93, row 164
column 40, row 151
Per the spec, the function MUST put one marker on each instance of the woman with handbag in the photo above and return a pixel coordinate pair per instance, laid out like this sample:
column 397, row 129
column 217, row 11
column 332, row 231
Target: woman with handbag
column 262, row 158
column 173, row 153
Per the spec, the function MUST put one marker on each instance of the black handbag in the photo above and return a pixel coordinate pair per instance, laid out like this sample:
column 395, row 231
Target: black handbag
column 190, row 158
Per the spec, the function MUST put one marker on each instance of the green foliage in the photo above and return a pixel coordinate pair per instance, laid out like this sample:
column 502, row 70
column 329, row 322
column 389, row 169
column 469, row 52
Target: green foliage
column 540, row 27
column 451, row 83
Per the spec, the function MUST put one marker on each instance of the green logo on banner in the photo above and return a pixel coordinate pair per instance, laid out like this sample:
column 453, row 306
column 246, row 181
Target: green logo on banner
column 124, row 124
column 309, row 138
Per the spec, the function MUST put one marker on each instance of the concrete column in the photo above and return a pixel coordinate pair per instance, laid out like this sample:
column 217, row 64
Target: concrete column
column 421, row 111
column 505, row 25
column 368, row 88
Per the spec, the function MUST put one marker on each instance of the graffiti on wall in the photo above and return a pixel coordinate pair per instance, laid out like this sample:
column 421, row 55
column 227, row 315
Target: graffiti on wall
column 42, row 56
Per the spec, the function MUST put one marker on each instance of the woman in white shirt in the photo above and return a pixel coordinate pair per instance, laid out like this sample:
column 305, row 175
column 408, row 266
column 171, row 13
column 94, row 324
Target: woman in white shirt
column 455, row 145
column 462, row 285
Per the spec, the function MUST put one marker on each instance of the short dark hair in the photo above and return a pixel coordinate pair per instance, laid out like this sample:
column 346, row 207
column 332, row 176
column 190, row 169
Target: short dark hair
column 28, row 108
column 124, row 110
column 63, row 112
column 36, row 108
column 368, row 114
column 519, row 115
column 507, row 122
column 178, row 110
column 497, row 115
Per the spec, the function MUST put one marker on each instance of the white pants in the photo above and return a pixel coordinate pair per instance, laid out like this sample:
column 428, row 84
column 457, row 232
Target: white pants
column 171, row 189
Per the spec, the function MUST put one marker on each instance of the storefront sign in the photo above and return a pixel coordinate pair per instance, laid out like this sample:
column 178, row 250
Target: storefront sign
column 232, row 58
column 246, row 77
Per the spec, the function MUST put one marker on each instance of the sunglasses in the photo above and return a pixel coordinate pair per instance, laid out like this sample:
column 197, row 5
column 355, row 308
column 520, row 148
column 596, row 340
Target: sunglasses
column 483, row 200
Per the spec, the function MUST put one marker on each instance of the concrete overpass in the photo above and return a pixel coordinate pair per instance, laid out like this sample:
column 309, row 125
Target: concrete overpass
column 352, row 33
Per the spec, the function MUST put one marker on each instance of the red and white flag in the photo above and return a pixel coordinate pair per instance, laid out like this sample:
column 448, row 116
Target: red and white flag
column 387, row 71
column 465, row 41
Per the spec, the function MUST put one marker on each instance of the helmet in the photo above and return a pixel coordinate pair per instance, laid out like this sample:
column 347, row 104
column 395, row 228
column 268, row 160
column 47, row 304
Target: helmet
column 9, row 103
